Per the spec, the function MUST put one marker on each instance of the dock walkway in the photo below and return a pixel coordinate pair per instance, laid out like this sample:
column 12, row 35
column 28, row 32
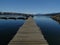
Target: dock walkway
column 28, row 34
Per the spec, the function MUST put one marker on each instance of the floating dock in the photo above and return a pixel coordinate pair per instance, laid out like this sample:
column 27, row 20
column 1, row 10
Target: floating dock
column 28, row 34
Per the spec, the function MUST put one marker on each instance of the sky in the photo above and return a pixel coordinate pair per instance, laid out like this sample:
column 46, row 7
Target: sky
column 30, row 6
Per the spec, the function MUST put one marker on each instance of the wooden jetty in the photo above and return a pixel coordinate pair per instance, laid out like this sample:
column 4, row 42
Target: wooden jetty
column 28, row 34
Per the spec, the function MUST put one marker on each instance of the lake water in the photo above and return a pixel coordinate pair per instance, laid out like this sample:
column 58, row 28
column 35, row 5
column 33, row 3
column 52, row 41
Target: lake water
column 8, row 28
column 49, row 27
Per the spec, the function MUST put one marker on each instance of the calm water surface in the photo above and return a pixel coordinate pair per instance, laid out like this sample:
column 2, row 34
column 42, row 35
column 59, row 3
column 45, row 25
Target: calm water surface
column 49, row 27
column 8, row 28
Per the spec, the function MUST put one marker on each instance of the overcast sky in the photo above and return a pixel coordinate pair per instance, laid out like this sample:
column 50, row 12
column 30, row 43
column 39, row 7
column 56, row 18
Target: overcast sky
column 30, row 6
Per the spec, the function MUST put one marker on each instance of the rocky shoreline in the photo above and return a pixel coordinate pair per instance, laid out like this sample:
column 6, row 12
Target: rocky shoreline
column 56, row 17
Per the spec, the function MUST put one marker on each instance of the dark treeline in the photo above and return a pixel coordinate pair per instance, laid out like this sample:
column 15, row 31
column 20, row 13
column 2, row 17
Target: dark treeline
column 49, row 14
column 11, row 13
column 52, row 14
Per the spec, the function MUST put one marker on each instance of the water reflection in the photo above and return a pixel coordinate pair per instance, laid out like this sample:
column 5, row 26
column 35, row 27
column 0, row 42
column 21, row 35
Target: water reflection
column 8, row 28
column 50, row 29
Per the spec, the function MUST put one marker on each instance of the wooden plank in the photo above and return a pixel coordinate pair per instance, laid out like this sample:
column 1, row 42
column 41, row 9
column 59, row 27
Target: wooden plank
column 29, row 34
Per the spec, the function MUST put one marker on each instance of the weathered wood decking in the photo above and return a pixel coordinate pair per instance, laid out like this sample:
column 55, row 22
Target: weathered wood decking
column 28, row 34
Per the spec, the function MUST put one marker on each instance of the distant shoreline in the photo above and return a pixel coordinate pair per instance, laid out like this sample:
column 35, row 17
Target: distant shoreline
column 56, row 17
